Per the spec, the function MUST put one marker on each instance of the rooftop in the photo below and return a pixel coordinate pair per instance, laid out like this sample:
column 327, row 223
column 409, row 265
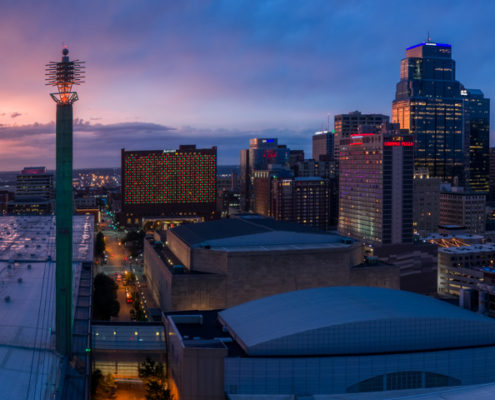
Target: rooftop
column 353, row 320
column 241, row 225
column 29, row 366
column 475, row 248
column 276, row 240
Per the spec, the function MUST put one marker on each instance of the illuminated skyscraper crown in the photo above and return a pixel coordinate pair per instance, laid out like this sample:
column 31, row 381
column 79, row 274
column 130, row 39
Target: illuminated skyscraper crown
column 64, row 75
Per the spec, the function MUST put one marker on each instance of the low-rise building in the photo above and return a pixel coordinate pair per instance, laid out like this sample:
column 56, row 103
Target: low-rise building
column 223, row 263
column 328, row 340
column 462, row 267
column 462, row 208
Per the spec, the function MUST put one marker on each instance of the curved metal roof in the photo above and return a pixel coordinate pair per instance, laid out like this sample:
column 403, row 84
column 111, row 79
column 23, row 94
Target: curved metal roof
column 353, row 320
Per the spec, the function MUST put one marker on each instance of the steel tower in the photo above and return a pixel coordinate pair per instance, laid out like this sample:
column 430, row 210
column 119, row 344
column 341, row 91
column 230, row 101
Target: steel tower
column 63, row 75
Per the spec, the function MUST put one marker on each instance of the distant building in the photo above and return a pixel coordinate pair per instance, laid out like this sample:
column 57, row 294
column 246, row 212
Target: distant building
column 6, row 198
column 376, row 185
column 262, row 152
column 477, row 115
column 462, row 208
column 450, row 124
column 262, row 187
column 166, row 183
column 347, row 124
column 311, row 167
column 33, row 192
column 365, row 339
column 426, row 203
column 305, row 200
column 463, row 267
column 323, row 145
column 222, row 263
column 492, row 173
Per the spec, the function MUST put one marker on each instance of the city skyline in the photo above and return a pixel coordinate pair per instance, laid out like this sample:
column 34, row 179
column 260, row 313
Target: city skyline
column 216, row 74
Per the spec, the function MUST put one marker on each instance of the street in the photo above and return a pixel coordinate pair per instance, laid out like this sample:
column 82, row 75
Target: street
column 118, row 262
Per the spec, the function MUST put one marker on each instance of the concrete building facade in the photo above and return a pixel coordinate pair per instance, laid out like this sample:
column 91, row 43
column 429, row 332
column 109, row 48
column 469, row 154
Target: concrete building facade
column 463, row 208
column 426, row 203
column 227, row 262
column 376, row 185
column 325, row 341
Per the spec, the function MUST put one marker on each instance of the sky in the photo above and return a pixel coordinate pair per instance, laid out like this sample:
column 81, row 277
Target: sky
column 216, row 73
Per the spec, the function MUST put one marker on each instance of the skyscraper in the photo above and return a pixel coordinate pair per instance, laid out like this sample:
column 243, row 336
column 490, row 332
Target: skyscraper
column 323, row 145
column 347, row 124
column 477, row 114
column 262, row 152
column 376, row 185
column 448, row 122
column 165, row 183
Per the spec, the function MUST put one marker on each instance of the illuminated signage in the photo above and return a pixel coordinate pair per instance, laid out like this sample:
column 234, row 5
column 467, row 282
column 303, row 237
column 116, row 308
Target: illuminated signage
column 398, row 144
column 169, row 177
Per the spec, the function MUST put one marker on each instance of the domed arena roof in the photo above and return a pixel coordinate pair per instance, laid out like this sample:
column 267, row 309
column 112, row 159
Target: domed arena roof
column 353, row 320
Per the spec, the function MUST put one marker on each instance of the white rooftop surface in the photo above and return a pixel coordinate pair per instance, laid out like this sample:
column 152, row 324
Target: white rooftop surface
column 353, row 320
column 29, row 367
column 475, row 248
column 275, row 240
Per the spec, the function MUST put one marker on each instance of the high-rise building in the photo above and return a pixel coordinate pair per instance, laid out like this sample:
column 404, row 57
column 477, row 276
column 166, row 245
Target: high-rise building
column 323, row 145
column 262, row 152
column 426, row 203
column 305, row 200
column 449, row 123
column 477, row 115
column 376, row 185
column 492, row 173
column 347, row 124
column 33, row 192
column 462, row 208
column 165, row 183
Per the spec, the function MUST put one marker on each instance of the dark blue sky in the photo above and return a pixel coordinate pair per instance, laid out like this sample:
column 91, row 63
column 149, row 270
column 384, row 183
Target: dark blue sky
column 160, row 73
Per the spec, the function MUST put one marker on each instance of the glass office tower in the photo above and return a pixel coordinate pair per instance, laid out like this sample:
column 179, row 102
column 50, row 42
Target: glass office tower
column 438, row 111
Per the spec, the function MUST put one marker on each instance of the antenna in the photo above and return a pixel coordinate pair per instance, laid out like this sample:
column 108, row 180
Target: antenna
column 428, row 40
column 328, row 129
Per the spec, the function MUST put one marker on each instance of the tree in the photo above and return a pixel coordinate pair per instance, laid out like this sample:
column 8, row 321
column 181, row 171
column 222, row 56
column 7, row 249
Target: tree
column 106, row 388
column 139, row 312
column 96, row 378
column 153, row 375
column 134, row 240
column 155, row 390
column 99, row 244
column 105, row 304
column 151, row 369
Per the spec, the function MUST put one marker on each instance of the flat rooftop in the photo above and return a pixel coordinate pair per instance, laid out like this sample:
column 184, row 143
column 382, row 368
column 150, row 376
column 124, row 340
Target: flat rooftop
column 29, row 366
column 473, row 249
column 255, row 232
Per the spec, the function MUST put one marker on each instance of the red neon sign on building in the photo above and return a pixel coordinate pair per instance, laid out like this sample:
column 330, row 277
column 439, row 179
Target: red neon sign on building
column 407, row 144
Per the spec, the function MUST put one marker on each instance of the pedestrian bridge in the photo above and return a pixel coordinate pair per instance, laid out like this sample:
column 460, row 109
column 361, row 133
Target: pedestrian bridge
column 130, row 336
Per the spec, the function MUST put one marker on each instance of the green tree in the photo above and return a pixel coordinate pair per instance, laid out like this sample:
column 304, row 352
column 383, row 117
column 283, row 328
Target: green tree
column 105, row 304
column 134, row 241
column 155, row 390
column 139, row 312
column 96, row 377
column 153, row 375
column 99, row 244
column 151, row 369
column 106, row 388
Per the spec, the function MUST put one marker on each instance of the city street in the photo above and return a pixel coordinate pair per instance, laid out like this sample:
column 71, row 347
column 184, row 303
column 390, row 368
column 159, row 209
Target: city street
column 118, row 262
